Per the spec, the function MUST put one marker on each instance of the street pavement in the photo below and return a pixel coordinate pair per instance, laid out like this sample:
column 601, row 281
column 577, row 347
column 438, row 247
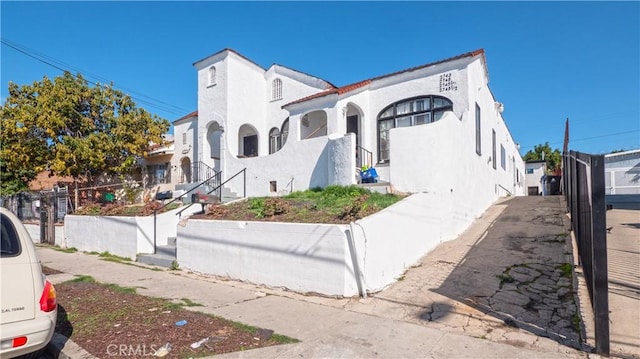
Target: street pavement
column 500, row 290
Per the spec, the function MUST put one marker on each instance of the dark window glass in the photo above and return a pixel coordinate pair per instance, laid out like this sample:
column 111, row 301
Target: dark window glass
column 493, row 146
column 284, row 132
column 478, row 132
column 10, row 243
column 274, row 140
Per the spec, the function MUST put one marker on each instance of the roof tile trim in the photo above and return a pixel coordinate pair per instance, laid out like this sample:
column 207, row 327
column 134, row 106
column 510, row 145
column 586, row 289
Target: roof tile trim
column 192, row 114
column 354, row 86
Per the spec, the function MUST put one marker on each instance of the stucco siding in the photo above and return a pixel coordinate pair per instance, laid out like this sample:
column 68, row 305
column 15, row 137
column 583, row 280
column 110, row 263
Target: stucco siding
column 300, row 257
column 299, row 165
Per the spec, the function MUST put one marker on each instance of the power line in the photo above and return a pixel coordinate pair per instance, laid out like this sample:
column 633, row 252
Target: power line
column 587, row 138
column 50, row 61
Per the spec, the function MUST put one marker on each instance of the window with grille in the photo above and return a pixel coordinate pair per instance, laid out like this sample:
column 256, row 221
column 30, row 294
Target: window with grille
column 276, row 90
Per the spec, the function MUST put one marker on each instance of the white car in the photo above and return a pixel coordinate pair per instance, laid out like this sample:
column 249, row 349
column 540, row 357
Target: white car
column 28, row 309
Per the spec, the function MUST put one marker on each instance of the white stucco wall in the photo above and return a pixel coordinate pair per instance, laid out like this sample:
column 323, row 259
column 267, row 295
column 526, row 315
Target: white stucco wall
column 212, row 103
column 300, row 257
column 294, row 86
column 318, row 257
column 299, row 165
column 392, row 240
column 122, row 236
column 116, row 235
column 441, row 158
column 246, row 103
column 437, row 166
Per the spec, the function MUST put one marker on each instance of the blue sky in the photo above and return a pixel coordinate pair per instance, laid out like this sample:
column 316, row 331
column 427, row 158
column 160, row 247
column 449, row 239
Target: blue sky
column 547, row 61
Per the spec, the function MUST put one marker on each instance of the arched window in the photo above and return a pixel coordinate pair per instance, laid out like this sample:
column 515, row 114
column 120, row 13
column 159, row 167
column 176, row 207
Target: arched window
column 276, row 90
column 274, row 140
column 212, row 75
column 408, row 112
column 284, row 132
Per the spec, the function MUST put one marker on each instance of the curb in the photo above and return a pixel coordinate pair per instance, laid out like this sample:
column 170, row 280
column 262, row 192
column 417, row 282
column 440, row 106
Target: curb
column 62, row 347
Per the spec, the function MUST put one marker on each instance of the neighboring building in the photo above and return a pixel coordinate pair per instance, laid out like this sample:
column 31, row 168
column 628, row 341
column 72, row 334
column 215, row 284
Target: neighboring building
column 622, row 173
column 534, row 173
column 434, row 128
column 44, row 181
column 156, row 168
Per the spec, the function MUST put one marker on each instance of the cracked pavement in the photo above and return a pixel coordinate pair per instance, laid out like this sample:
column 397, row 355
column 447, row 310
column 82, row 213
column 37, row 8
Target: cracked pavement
column 507, row 279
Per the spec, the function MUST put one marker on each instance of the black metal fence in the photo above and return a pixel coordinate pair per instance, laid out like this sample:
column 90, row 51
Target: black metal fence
column 28, row 206
column 585, row 189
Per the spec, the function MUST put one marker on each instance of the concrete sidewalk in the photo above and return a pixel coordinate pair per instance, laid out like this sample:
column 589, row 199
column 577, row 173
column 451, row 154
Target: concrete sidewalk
column 435, row 311
column 623, row 250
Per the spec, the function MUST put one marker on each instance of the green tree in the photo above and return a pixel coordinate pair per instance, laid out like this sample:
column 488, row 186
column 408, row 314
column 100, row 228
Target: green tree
column 71, row 129
column 552, row 157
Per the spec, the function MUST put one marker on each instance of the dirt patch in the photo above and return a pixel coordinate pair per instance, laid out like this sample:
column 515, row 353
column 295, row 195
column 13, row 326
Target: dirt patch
column 296, row 210
column 110, row 321
column 49, row 271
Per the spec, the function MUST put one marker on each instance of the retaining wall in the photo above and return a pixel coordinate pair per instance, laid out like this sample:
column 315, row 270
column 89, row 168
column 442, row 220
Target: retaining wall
column 337, row 260
column 122, row 236
column 319, row 257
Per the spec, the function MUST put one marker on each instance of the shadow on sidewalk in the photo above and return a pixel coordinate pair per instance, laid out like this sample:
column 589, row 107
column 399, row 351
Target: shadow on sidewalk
column 520, row 272
column 63, row 332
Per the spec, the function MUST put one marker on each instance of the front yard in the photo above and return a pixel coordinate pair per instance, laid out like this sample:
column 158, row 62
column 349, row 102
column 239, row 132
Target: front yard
column 112, row 321
column 332, row 205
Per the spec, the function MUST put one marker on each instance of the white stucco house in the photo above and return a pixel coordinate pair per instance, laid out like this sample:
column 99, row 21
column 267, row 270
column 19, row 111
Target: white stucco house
column 435, row 128
column 534, row 171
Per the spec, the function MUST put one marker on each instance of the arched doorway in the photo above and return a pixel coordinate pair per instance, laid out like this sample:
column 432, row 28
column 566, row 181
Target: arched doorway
column 247, row 141
column 214, row 135
column 353, row 118
column 185, row 170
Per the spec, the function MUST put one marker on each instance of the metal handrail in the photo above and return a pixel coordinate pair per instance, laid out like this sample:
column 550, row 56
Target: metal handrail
column 362, row 152
column 220, row 186
column 504, row 188
column 155, row 211
column 197, row 171
column 315, row 131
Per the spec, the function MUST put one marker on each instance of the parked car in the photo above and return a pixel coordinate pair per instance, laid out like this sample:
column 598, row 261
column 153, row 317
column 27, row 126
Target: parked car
column 28, row 307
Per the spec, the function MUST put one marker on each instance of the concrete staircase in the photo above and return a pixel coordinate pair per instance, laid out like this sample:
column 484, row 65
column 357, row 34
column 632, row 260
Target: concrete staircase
column 165, row 256
column 379, row 187
column 227, row 195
